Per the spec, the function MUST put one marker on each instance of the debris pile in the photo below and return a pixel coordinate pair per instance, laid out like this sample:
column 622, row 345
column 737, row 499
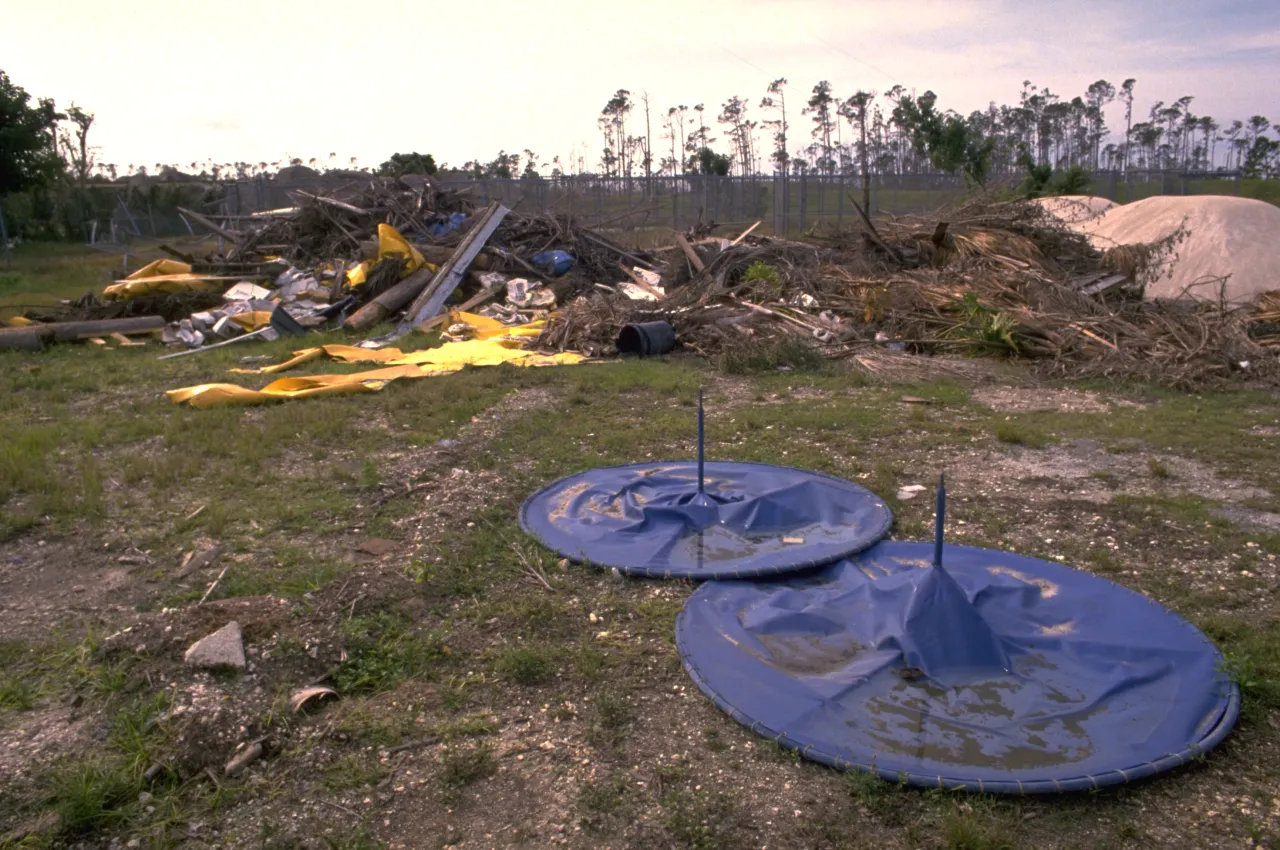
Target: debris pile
column 991, row 277
column 379, row 250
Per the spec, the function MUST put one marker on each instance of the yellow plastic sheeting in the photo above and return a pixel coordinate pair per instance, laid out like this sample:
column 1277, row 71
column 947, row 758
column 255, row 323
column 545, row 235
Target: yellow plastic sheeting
column 252, row 321
column 342, row 353
column 126, row 289
column 161, row 268
column 479, row 352
column 484, row 327
column 357, row 275
column 158, row 276
column 18, row 322
column 223, row 395
column 390, row 244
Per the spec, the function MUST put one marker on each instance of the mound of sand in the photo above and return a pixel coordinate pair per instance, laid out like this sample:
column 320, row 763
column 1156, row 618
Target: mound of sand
column 1224, row 236
column 1076, row 209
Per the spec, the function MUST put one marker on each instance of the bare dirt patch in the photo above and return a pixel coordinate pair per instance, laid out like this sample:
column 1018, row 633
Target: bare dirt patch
column 1046, row 399
column 47, row 583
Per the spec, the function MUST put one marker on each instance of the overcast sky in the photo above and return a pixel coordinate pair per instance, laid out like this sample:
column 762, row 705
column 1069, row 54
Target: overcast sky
column 256, row 81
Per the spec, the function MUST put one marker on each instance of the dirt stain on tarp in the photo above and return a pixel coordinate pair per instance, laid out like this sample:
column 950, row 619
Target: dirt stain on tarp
column 1048, row 589
column 928, row 723
column 807, row 654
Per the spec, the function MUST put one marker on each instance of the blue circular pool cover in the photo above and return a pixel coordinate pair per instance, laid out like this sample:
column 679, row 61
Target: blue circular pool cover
column 995, row 673
column 749, row 519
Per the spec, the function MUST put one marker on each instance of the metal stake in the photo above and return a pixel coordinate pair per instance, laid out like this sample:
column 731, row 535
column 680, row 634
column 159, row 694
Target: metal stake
column 939, row 519
column 701, row 437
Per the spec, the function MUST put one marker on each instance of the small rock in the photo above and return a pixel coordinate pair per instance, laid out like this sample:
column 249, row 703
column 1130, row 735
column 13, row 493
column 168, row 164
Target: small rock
column 377, row 547
column 910, row 491
column 223, row 648
column 447, row 444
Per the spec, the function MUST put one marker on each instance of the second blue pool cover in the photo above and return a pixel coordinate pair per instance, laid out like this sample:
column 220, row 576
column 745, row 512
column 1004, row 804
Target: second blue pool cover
column 996, row 673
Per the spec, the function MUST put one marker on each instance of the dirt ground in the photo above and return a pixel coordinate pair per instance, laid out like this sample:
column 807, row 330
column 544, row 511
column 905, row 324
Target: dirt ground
column 490, row 695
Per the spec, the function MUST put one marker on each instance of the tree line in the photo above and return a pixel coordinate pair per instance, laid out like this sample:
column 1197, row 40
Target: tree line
column 897, row 132
column 821, row 132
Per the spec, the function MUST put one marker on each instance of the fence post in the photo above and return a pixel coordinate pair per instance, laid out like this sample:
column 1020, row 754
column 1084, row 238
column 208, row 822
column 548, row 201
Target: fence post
column 804, row 198
column 1238, row 186
column 4, row 238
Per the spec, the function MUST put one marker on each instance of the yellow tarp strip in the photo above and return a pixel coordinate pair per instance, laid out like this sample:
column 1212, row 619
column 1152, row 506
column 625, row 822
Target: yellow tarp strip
column 342, row 353
column 160, row 268
column 129, row 288
column 444, row 360
column 222, row 395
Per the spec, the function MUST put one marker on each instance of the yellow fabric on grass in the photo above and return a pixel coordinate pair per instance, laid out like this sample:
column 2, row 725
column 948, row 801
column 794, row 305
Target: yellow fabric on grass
column 222, row 395
column 342, row 353
column 446, row 359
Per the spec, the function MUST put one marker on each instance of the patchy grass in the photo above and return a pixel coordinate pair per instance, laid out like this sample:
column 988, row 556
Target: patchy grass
column 526, row 665
column 1018, row 434
column 456, row 664
column 382, row 651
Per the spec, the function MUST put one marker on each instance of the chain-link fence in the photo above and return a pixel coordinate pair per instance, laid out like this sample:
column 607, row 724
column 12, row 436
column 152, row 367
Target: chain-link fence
column 111, row 215
column 786, row 204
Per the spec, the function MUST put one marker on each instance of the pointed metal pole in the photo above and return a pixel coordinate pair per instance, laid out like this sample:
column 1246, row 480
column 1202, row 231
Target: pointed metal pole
column 939, row 520
column 701, row 440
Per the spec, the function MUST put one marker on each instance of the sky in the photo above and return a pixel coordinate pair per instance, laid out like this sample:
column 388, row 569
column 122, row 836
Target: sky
column 261, row 81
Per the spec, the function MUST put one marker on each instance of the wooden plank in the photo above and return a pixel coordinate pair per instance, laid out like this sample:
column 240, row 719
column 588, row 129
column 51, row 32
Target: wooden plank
column 641, row 282
column 470, row 304
column 432, row 299
column 632, row 258
column 694, row 259
column 1105, row 285
column 389, row 302
column 1093, row 336
column 745, row 233
column 218, row 229
column 75, row 331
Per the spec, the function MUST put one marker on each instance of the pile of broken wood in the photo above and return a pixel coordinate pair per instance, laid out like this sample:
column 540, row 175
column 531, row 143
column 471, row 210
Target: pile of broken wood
column 991, row 277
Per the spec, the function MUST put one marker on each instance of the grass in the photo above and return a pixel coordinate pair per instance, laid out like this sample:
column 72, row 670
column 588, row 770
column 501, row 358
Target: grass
column 94, row 459
column 976, row 830
column 1018, row 434
column 526, row 665
column 382, row 651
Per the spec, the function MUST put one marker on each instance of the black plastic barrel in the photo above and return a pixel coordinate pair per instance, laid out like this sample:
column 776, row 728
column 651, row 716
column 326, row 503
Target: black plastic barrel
column 646, row 339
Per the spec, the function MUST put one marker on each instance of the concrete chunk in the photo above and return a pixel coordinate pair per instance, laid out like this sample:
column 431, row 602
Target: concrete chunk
column 223, row 648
